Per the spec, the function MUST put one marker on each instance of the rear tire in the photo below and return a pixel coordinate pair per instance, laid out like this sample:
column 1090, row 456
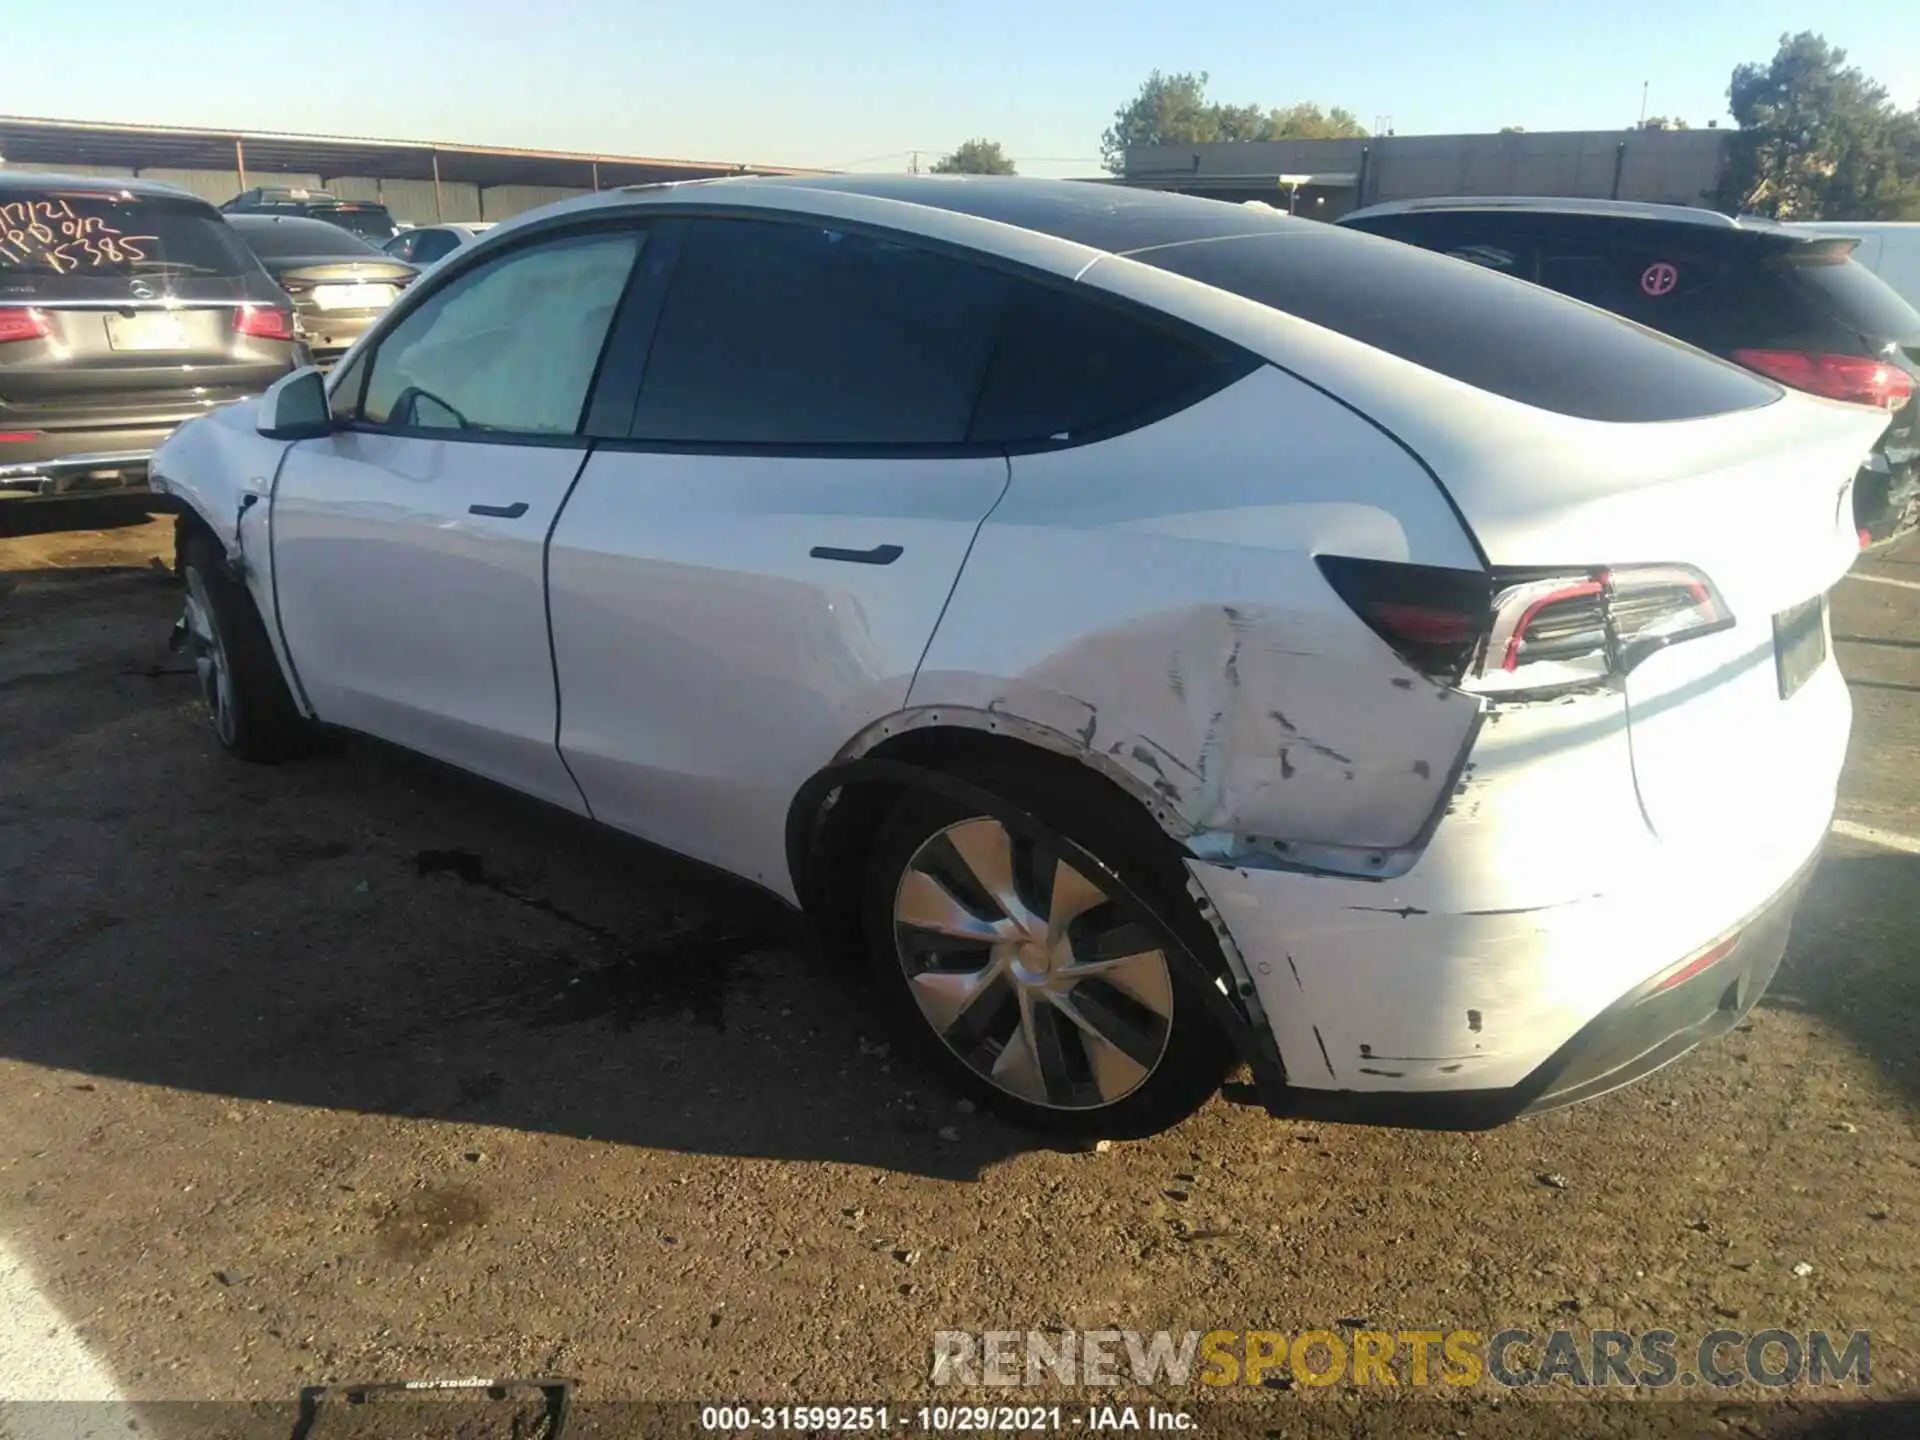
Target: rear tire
column 248, row 703
column 1023, row 980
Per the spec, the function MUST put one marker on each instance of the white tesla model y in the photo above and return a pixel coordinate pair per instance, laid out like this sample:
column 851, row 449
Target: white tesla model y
column 1161, row 634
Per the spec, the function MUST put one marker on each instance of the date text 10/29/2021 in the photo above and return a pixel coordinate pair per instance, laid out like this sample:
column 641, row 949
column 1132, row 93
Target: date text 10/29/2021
column 942, row 1419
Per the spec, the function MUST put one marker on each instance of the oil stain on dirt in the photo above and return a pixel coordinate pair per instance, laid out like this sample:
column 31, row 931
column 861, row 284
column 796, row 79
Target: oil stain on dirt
column 687, row 970
column 413, row 1227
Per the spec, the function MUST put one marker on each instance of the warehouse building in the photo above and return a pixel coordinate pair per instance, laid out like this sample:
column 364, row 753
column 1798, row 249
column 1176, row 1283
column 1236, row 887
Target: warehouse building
column 421, row 182
column 1327, row 178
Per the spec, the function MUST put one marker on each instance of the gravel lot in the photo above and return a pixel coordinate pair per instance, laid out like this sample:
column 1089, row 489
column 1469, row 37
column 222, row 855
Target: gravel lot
column 358, row 1070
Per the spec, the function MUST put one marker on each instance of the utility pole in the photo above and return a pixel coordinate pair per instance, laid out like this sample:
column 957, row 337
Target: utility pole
column 1643, row 101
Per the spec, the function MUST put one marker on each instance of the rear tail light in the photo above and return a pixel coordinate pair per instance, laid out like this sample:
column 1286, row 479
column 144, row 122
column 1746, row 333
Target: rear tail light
column 18, row 437
column 264, row 322
column 1436, row 619
column 1527, row 631
column 1857, row 378
column 23, row 322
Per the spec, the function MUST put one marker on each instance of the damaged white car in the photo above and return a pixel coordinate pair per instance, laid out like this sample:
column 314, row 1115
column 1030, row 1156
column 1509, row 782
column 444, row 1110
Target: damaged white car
column 1161, row 634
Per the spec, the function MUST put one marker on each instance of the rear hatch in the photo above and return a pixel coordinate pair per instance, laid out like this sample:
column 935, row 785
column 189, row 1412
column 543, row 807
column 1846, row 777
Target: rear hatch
column 326, row 270
column 322, row 286
column 1743, row 523
column 117, row 307
column 1832, row 282
column 1622, row 473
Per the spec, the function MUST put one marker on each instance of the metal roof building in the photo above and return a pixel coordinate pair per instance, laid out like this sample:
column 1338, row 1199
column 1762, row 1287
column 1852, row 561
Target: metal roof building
column 420, row 181
column 1327, row 178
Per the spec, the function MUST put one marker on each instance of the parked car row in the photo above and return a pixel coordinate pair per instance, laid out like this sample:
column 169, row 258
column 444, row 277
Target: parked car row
column 129, row 306
column 1157, row 634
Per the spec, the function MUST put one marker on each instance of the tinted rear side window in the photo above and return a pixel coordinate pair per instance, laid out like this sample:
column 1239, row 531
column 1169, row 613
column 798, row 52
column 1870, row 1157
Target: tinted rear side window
column 1857, row 297
column 275, row 239
column 1065, row 366
column 58, row 242
column 791, row 334
column 1465, row 321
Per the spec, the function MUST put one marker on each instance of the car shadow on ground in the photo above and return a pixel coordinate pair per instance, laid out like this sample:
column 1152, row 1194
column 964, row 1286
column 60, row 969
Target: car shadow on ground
column 367, row 931
column 117, row 511
column 1850, row 960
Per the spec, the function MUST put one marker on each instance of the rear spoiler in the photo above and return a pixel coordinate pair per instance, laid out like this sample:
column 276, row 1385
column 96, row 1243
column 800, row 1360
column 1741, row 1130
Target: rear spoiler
column 1818, row 249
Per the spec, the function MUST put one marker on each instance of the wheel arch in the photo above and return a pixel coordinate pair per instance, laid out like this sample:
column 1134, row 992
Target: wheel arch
column 952, row 751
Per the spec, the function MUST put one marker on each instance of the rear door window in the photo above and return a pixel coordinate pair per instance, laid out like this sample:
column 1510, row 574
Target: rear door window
column 80, row 244
column 1471, row 324
column 794, row 334
column 1066, row 368
column 1485, row 241
column 434, row 245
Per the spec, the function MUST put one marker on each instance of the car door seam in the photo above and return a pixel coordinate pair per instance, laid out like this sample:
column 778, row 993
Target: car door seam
column 273, row 582
column 1006, row 485
column 546, row 600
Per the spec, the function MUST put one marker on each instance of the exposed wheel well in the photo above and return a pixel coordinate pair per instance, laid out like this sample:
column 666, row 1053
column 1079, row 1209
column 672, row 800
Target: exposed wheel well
column 841, row 834
column 188, row 521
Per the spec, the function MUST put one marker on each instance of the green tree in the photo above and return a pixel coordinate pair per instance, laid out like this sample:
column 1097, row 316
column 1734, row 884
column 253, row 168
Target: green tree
column 1169, row 110
column 1818, row 139
column 1174, row 110
column 1307, row 121
column 1661, row 122
column 976, row 157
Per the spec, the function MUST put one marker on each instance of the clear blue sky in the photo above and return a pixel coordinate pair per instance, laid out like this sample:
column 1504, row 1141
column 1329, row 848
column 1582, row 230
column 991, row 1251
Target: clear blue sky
column 830, row 82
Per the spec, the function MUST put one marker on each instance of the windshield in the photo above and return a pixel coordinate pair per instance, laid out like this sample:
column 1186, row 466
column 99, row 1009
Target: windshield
column 56, row 239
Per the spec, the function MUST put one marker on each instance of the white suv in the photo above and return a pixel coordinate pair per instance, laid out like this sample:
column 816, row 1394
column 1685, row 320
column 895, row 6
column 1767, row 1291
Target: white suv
column 1161, row 634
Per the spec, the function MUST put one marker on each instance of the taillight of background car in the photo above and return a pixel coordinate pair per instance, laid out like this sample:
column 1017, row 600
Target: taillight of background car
column 23, row 322
column 264, row 322
column 1527, row 631
column 1857, row 378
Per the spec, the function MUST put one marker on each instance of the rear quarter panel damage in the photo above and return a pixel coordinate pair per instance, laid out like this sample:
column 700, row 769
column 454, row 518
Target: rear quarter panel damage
column 1150, row 603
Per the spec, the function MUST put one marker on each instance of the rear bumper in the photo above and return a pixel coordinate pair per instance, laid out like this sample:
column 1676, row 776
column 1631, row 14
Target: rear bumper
column 1886, row 498
column 329, row 334
column 1651, row 1026
column 62, row 462
column 1515, row 966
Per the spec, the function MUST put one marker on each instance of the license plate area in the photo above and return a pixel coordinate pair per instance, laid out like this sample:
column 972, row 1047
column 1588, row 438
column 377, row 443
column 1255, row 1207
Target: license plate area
column 353, row 297
column 148, row 333
column 1799, row 644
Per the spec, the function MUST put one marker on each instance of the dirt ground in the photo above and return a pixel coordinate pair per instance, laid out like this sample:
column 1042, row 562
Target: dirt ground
column 358, row 1070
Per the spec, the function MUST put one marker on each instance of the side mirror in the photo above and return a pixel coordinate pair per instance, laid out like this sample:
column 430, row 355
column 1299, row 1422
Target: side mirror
column 295, row 407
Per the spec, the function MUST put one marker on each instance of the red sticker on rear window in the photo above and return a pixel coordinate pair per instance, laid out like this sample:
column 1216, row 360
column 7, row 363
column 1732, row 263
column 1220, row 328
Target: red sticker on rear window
column 1658, row 278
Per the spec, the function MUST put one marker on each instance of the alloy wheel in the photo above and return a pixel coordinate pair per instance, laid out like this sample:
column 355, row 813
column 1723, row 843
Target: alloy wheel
column 209, row 658
column 1029, row 970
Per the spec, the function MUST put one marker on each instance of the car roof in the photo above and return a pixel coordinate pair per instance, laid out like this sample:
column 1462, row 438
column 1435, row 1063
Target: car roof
column 1569, row 205
column 1099, row 216
column 95, row 184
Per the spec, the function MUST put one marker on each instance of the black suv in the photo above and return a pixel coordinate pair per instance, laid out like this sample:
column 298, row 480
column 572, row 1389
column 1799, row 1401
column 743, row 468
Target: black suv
column 371, row 222
column 126, row 306
column 1788, row 303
